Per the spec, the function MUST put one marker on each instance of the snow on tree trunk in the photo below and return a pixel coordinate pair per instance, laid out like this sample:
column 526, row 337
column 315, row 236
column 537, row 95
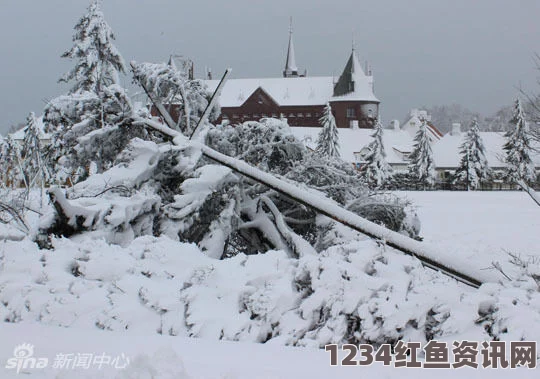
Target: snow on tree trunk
column 473, row 168
column 421, row 165
column 11, row 173
column 328, row 140
column 518, row 149
column 376, row 170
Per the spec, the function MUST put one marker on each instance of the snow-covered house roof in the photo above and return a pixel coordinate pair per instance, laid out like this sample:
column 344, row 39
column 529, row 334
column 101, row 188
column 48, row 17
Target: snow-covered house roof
column 414, row 121
column 19, row 134
column 315, row 90
column 446, row 151
column 299, row 91
column 398, row 144
column 353, row 141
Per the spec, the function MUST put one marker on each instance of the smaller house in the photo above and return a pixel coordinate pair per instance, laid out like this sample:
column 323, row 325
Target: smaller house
column 45, row 138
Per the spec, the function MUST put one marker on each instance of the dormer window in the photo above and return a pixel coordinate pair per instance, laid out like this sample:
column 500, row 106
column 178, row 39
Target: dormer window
column 351, row 86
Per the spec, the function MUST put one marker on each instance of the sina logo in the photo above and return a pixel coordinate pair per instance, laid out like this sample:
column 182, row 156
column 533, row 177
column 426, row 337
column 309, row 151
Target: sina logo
column 23, row 358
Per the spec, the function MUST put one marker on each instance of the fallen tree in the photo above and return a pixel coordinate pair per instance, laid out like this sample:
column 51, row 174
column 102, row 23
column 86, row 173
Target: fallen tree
column 427, row 255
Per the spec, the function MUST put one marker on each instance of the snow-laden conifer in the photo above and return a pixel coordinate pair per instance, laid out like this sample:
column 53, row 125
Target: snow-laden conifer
column 32, row 153
column 98, row 61
column 89, row 125
column 376, row 170
column 518, row 148
column 422, row 166
column 473, row 167
column 328, row 140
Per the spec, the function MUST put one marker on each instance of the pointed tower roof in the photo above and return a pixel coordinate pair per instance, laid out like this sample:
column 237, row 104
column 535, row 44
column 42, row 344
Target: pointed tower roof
column 354, row 84
column 291, row 70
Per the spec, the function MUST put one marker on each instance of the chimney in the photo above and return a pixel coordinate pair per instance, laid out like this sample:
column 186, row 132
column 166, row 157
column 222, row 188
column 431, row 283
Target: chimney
column 395, row 124
column 456, row 129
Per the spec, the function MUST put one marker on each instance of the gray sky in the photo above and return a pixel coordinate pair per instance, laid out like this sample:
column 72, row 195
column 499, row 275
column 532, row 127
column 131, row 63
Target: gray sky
column 423, row 52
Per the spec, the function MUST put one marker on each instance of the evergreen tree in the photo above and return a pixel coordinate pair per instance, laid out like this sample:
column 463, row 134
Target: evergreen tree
column 328, row 142
column 473, row 168
column 98, row 60
column 518, row 148
column 376, row 170
column 33, row 162
column 421, row 164
column 96, row 107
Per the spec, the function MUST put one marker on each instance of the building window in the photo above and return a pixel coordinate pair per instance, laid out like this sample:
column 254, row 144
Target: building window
column 234, row 115
column 300, row 115
column 274, row 115
column 291, row 115
column 255, row 115
column 308, row 114
column 351, row 113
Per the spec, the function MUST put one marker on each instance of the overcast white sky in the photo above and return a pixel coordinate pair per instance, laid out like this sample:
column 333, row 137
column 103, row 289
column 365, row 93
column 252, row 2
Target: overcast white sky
column 423, row 52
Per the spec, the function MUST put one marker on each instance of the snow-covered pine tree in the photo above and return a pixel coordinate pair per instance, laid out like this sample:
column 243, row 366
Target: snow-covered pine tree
column 32, row 153
column 376, row 170
column 328, row 140
column 421, row 164
column 89, row 125
column 518, row 148
column 473, row 168
column 98, row 60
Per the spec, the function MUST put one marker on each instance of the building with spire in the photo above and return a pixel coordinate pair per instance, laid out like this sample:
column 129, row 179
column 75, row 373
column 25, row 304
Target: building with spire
column 300, row 98
column 291, row 70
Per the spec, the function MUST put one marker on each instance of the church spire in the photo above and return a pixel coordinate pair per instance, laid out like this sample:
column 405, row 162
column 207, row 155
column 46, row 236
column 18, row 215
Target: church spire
column 291, row 70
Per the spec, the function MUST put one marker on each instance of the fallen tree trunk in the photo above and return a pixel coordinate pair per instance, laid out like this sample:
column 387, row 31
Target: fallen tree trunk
column 428, row 255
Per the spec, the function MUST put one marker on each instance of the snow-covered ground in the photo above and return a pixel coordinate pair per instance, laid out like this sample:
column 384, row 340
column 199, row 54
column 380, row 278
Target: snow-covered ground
column 56, row 298
column 166, row 357
column 479, row 227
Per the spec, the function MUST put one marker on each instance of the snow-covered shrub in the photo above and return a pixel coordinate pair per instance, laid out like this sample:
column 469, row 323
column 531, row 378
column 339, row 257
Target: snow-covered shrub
column 355, row 292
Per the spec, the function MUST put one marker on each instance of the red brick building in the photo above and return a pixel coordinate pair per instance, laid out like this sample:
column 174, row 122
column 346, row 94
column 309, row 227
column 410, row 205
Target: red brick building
column 301, row 99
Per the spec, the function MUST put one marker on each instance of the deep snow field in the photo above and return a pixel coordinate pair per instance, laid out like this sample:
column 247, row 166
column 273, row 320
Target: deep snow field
column 479, row 226
column 475, row 226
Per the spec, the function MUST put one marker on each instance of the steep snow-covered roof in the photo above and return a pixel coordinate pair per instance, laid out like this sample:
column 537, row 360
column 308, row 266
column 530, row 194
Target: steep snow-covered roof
column 314, row 90
column 353, row 75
